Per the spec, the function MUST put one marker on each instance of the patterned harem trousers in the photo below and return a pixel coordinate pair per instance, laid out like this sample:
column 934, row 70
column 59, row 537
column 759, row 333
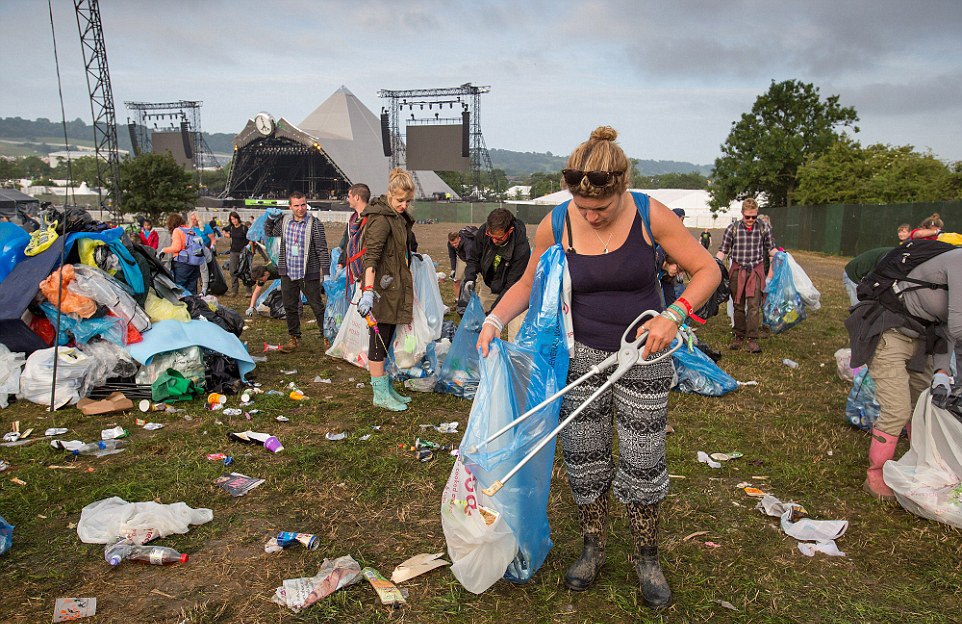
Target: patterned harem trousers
column 639, row 404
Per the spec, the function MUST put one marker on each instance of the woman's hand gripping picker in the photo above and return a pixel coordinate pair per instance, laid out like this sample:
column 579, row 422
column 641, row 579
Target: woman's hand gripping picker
column 627, row 356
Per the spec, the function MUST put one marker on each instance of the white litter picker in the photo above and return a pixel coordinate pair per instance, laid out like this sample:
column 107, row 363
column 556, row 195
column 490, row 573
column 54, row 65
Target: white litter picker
column 627, row 356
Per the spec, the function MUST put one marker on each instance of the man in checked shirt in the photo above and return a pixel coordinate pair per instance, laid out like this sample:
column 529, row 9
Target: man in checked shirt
column 748, row 242
column 302, row 263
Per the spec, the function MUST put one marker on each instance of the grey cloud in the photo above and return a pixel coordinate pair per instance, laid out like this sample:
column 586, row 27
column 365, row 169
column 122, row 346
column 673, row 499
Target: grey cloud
column 937, row 94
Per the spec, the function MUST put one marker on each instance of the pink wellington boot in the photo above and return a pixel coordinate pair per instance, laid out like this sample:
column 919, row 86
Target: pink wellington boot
column 880, row 451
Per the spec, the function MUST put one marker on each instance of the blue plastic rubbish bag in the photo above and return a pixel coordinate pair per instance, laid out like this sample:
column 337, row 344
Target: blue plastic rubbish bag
column 110, row 328
column 784, row 308
column 698, row 374
column 6, row 535
column 335, row 287
column 461, row 371
column 861, row 408
column 514, row 378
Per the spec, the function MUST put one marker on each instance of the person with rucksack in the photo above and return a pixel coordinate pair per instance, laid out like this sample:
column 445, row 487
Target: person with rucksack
column 187, row 253
column 858, row 267
column 609, row 235
column 460, row 247
column 352, row 251
column 906, row 327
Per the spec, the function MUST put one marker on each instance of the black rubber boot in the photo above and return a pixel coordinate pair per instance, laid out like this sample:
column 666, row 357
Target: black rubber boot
column 651, row 580
column 643, row 520
column 593, row 518
column 583, row 572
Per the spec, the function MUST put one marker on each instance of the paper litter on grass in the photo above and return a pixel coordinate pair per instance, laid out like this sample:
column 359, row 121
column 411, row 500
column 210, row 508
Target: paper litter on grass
column 822, row 532
column 705, row 459
column 299, row 593
column 69, row 609
column 417, row 565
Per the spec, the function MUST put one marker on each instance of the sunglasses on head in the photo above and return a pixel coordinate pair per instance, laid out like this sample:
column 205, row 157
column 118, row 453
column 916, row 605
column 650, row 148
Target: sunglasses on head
column 573, row 177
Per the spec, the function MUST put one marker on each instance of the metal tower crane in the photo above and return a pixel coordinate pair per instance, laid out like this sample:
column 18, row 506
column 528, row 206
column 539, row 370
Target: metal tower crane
column 101, row 97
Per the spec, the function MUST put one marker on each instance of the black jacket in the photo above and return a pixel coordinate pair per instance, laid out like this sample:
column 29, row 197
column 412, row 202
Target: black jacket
column 514, row 256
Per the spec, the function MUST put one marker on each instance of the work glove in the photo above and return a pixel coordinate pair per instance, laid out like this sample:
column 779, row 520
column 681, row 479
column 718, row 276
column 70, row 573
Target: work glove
column 366, row 303
column 941, row 390
column 465, row 298
column 249, row 313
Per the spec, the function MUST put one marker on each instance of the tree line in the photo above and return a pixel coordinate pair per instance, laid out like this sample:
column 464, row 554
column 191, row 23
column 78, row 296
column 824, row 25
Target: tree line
column 793, row 147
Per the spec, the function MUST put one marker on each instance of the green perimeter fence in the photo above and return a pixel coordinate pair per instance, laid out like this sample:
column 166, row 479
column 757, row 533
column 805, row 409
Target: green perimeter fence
column 850, row 229
column 476, row 213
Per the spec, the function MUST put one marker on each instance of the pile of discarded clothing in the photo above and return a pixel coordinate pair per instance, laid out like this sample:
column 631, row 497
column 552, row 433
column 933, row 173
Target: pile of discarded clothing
column 112, row 308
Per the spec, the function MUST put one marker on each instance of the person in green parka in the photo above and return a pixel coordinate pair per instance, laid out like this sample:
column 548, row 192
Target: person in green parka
column 387, row 297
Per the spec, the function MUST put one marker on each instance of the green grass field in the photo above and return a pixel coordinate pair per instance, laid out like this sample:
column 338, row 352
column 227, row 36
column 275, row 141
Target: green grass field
column 374, row 501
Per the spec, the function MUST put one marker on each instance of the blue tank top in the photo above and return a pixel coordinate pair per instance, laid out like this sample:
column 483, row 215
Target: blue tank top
column 609, row 291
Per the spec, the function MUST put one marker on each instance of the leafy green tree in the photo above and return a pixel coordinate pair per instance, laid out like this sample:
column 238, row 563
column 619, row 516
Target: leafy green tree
column 787, row 126
column 544, row 183
column 691, row 180
column 9, row 169
column 83, row 169
column 153, row 184
column 33, row 167
column 878, row 174
column 214, row 182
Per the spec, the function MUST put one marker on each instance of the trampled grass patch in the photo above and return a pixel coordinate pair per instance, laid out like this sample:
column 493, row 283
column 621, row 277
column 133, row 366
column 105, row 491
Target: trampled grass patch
column 373, row 500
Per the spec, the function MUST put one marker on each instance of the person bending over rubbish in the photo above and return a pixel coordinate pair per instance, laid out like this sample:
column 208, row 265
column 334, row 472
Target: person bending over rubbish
column 614, row 277
column 387, row 291
column 303, row 261
column 500, row 254
column 906, row 330
column 460, row 246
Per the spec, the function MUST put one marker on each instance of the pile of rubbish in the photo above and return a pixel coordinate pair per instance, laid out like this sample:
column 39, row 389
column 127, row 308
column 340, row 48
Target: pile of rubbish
column 119, row 321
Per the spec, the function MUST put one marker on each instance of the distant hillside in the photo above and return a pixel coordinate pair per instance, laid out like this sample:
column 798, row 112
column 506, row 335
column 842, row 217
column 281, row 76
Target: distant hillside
column 523, row 164
column 35, row 133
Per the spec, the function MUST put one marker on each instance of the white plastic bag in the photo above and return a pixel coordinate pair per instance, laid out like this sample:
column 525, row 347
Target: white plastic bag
column 427, row 293
column 111, row 519
column 411, row 340
column 843, row 361
column 803, row 284
column 480, row 543
column 10, row 365
column 927, row 480
column 37, row 374
column 351, row 342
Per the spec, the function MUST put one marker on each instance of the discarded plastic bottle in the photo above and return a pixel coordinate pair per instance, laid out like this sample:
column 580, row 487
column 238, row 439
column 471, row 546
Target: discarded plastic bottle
column 790, row 363
column 94, row 448
column 154, row 555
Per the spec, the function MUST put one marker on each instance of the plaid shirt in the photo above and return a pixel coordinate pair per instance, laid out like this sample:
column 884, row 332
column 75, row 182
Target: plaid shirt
column 296, row 237
column 747, row 247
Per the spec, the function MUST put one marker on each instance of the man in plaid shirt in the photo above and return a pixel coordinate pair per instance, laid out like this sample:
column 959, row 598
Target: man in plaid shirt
column 748, row 242
column 303, row 262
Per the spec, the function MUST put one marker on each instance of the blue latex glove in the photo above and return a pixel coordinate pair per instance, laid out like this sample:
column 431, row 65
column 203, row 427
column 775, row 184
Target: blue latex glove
column 941, row 389
column 273, row 213
column 366, row 303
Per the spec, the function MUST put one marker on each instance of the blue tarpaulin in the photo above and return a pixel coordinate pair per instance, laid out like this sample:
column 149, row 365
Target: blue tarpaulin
column 173, row 335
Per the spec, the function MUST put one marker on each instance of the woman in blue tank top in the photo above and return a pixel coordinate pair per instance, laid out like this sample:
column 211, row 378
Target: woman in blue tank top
column 611, row 261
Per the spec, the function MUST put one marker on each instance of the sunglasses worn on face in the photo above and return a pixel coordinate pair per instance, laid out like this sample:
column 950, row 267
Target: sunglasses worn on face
column 500, row 237
column 747, row 218
column 573, row 177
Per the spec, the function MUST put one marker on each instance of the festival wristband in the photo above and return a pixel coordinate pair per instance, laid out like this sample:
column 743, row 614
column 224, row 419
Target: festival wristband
column 677, row 308
column 672, row 316
column 684, row 302
column 371, row 287
column 493, row 321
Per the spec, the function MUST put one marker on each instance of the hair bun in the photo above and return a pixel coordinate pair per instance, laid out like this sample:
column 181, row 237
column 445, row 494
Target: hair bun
column 935, row 216
column 604, row 133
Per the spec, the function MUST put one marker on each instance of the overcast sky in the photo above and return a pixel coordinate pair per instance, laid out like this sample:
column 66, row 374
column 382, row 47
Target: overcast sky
column 670, row 77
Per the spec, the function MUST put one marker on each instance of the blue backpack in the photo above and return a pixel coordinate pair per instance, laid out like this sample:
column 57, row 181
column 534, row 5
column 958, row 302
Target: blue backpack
column 560, row 211
column 193, row 252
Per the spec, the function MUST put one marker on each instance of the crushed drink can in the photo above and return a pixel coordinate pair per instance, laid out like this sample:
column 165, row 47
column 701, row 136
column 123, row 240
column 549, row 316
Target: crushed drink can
column 287, row 538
